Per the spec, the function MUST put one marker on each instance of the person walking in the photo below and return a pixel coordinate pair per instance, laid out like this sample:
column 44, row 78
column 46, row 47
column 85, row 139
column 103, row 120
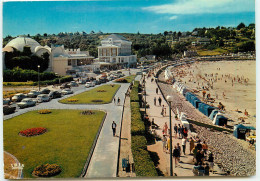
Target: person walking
column 165, row 128
column 154, row 101
column 164, row 140
column 179, row 130
column 191, row 144
column 114, row 100
column 162, row 112
column 205, row 147
column 114, row 128
column 211, row 162
column 118, row 101
column 176, row 155
column 160, row 101
column 183, row 143
column 156, row 90
column 175, row 130
column 165, row 111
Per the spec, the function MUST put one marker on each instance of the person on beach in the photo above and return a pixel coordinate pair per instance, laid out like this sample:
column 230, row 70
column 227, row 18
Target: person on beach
column 114, row 128
column 175, row 130
column 160, row 101
column 164, row 140
column 183, row 143
column 246, row 113
column 203, row 93
column 191, row 144
column 176, row 155
column 154, row 101
column 156, row 90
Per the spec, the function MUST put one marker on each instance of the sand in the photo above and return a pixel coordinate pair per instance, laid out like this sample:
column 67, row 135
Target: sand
column 218, row 77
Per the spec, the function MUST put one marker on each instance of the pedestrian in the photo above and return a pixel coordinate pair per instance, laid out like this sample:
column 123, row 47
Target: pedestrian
column 206, row 170
column 114, row 128
column 164, row 140
column 154, row 101
column 179, row 130
column 162, row 112
column 176, row 155
column 115, row 100
column 165, row 128
column 118, row 101
column 205, row 147
column 179, row 147
column 182, row 131
column 157, row 90
column 185, row 132
column 165, row 111
column 168, row 143
column 211, row 162
column 195, row 152
column 199, row 145
column 175, row 130
column 183, row 143
column 200, row 157
column 160, row 101
column 191, row 144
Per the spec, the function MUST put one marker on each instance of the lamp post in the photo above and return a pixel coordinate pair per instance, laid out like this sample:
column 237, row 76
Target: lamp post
column 39, row 77
column 144, row 96
column 170, row 100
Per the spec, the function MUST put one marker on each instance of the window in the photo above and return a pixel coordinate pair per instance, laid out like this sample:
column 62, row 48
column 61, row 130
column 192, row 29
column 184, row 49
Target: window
column 69, row 62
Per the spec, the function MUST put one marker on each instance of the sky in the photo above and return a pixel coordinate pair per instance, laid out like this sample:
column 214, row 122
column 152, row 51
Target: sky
column 121, row 16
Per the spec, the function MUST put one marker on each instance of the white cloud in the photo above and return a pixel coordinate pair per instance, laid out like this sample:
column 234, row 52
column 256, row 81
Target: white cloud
column 204, row 6
column 173, row 17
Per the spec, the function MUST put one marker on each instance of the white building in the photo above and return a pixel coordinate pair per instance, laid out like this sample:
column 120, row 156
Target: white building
column 115, row 51
column 61, row 61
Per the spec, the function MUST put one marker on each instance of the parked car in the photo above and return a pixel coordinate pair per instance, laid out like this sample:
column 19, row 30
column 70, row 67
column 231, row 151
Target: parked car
column 54, row 94
column 64, row 86
column 43, row 98
column 18, row 97
column 103, row 80
column 45, row 91
column 73, row 84
column 96, row 82
column 8, row 109
column 6, row 101
column 33, row 94
column 82, row 81
column 27, row 102
column 89, row 84
column 66, row 91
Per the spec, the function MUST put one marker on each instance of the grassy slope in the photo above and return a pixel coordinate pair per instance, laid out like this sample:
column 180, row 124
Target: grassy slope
column 128, row 78
column 88, row 96
column 67, row 143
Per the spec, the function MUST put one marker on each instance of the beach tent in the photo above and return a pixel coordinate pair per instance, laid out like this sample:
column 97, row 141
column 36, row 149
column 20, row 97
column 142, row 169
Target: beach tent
column 213, row 113
column 196, row 103
column 240, row 131
column 208, row 109
column 220, row 119
column 187, row 96
column 201, row 108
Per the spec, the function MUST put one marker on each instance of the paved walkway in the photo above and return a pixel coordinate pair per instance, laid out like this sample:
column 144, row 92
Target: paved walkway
column 185, row 167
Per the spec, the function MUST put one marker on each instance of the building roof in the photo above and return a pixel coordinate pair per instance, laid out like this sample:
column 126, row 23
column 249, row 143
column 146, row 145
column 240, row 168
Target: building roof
column 115, row 37
column 21, row 41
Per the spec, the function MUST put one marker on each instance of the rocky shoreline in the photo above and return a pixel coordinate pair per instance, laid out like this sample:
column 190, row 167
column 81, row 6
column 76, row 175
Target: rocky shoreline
column 231, row 154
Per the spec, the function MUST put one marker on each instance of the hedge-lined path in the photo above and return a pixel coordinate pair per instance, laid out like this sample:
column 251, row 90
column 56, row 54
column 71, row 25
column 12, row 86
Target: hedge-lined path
column 104, row 159
column 185, row 167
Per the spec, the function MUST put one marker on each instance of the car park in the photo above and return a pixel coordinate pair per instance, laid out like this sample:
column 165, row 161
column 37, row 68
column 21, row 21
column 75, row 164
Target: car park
column 6, row 101
column 54, row 94
column 33, row 94
column 66, row 91
column 45, row 91
column 89, row 84
column 27, row 102
column 43, row 98
column 8, row 109
column 18, row 97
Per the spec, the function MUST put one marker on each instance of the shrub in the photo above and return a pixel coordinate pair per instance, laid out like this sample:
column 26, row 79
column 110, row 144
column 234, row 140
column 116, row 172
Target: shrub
column 121, row 80
column 139, row 142
column 87, row 112
column 73, row 100
column 47, row 170
column 44, row 111
column 97, row 100
column 101, row 90
column 137, row 125
column 33, row 131
column 134, row 92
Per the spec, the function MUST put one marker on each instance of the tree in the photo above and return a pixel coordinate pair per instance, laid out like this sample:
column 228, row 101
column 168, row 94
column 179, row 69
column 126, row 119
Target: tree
column 45, row 35
column 165, row 33
column 251, row 26
column 241, row 25
column 179, row 34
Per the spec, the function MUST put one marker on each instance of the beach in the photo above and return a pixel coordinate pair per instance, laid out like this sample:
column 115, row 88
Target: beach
column 233, row 83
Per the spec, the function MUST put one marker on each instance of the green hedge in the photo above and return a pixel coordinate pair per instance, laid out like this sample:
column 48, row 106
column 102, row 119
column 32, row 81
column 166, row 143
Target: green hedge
column 137, row 125
column 134, row 92
column 144, row 166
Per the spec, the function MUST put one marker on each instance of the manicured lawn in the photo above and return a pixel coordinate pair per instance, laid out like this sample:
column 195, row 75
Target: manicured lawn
column 217, row 51
column 128, row 78
column 100, row 95
column 67, row 142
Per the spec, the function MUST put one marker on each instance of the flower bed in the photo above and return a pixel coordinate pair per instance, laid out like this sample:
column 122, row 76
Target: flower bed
column 87, row 112
column 47, row 170
column 101, row 90
column 73, row 100
column 33, row 132
column 44, row 111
